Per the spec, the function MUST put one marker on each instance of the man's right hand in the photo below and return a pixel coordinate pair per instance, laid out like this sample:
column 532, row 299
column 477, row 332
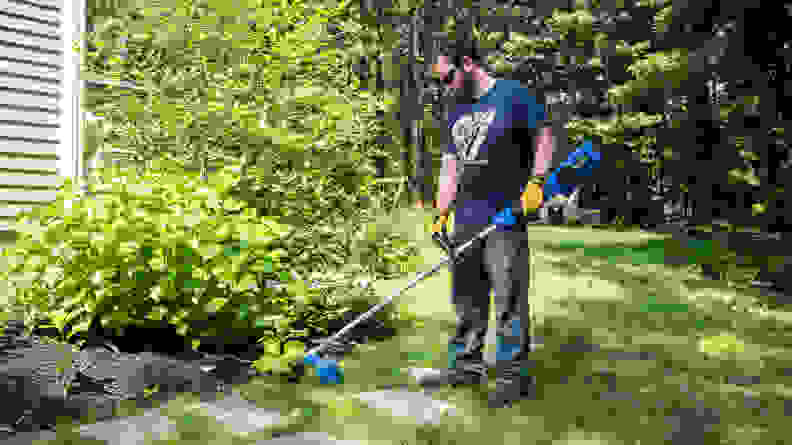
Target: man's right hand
column 440, row 221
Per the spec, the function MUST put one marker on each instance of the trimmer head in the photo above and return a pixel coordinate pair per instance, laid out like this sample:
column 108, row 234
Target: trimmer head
column 329, row 371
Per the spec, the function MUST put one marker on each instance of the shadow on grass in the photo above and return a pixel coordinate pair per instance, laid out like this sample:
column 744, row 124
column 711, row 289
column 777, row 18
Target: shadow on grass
column 713, row 259
column 656, row 387
column 609, row 371
column 670, row 325
column 615, row 373
column 652, row 383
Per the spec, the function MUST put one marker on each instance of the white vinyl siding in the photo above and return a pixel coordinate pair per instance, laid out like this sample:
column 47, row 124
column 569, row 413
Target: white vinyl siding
column 39, row 101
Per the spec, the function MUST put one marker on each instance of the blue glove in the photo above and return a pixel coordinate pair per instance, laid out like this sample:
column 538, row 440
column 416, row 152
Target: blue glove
column 505, row 218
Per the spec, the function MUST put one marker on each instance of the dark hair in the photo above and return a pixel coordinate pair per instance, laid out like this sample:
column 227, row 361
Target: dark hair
column 456, row 50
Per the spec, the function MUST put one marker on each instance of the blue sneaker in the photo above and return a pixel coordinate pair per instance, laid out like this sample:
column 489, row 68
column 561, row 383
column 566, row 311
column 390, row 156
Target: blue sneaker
column 456, row 373
column 510, row 387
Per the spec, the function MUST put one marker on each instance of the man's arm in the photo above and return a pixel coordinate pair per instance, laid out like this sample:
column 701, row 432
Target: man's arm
column 545, row 146
column 447, row 186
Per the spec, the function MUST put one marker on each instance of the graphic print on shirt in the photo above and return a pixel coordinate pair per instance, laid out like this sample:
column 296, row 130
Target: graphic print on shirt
column 470, row 131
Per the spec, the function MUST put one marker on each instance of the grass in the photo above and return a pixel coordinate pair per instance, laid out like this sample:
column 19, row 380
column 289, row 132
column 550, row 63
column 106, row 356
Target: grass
column 586, row 396
column 598, row 304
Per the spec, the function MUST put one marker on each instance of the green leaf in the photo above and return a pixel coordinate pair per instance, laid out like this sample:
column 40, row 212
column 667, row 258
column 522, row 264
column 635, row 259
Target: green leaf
column 80, row 327
column 272, row 364
column 246, row 283
column 299, row 289
column 262, row 235
column 157, row 313
column 155, row 293
column 182, row 328
column 243, row 312
column 294, row 349
column 271, row 346
column 59, row 319
column 215, row 304
column 265, row 321
column 262, row 266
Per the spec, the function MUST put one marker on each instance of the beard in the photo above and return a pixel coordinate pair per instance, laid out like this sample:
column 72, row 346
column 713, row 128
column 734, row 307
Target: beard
column 466, row 94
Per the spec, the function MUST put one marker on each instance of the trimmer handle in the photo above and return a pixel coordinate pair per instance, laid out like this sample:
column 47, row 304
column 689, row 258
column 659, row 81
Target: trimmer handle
column 444, row 242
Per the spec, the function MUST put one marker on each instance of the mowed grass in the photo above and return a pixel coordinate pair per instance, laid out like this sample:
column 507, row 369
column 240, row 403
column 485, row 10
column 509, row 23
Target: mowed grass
column 624, row 358
column 622, row 361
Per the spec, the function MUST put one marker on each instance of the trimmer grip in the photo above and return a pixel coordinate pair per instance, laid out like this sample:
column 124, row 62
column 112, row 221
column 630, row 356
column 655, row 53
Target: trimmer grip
column 444, row 242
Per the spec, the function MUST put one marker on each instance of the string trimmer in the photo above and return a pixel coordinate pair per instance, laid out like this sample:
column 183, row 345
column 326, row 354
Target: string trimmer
column 329, row 371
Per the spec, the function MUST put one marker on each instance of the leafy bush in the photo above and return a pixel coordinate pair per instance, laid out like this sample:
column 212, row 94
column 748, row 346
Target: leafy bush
column 162, row 246
column 347, row 232
column 340, row 215
column 159, row 247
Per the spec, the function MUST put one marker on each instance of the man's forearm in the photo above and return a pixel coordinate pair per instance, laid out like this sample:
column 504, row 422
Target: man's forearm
column 447, row 186
column 545, row 146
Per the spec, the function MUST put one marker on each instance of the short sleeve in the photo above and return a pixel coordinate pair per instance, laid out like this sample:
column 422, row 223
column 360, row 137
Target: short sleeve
column 529, row 109
column 537, row 111
column 541, row 114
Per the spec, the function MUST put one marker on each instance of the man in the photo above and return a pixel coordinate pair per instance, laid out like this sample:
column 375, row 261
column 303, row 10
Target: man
column 497, row 122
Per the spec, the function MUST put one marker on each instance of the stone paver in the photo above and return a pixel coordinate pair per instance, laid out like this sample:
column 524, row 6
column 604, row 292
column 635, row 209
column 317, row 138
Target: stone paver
column 30, row 438
column 243, row 417
column 401, row 403
column 240, row 415
column 130, row 430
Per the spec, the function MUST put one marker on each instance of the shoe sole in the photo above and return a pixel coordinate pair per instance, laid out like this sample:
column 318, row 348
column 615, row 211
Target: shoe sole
column 421, row 375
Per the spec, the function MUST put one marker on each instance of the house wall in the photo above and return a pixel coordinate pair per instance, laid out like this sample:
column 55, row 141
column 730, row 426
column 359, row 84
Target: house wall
column 39, row 101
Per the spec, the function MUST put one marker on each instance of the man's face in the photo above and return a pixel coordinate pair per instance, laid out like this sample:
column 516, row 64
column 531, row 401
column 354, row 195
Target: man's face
column 462, row 82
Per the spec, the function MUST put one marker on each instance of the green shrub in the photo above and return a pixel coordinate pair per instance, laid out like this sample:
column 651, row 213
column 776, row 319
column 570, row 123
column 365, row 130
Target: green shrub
column 162, row 245
column 159, row 247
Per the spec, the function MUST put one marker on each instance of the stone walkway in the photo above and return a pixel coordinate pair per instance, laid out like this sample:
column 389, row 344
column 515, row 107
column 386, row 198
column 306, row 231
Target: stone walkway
column 243, row 417
column 240, row 416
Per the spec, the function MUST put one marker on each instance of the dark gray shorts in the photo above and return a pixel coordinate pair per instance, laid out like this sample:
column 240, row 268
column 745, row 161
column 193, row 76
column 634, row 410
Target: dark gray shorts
column 500, row 262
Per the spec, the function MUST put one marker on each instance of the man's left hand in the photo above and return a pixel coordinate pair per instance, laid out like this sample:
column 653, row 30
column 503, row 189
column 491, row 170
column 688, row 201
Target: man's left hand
column 532, row 197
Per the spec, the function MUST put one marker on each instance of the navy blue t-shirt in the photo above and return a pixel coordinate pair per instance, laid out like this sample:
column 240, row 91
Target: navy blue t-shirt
column 500, row 129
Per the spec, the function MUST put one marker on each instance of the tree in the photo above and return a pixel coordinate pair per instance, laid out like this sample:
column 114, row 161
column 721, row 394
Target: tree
column 228, row 87
column 654, row 53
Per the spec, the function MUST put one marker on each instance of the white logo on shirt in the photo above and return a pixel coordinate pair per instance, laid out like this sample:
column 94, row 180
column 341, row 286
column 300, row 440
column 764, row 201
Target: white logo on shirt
column 470, row 131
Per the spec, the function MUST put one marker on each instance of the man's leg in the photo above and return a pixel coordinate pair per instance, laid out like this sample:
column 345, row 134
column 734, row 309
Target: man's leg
column 507, row 257
column 470, row 295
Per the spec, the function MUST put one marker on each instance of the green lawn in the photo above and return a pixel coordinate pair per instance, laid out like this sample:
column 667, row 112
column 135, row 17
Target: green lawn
column 604, row 291
column 620, row 304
